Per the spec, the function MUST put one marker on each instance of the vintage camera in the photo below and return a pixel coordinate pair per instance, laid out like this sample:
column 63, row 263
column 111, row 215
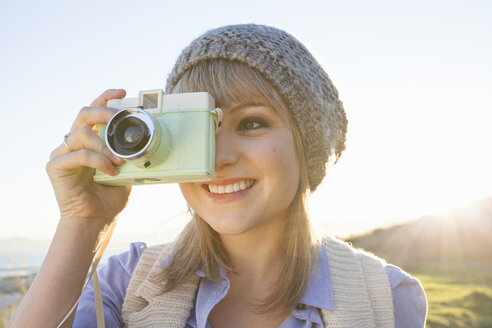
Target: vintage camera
column 162, row 138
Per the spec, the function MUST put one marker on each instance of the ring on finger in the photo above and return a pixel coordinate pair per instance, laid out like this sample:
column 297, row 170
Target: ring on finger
column 65, row 137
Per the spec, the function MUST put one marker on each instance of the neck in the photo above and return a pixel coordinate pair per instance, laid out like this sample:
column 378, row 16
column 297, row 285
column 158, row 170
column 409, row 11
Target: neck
column 258, row 251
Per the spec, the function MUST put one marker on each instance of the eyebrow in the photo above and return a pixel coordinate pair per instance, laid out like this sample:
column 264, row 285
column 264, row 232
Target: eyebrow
column 243, row 105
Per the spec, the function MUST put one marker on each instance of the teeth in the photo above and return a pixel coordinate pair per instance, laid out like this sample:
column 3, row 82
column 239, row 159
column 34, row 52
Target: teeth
column 233, row 187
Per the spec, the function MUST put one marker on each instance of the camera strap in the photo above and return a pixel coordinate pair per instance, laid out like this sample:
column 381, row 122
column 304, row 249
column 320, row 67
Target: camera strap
column 93, row 274
column 97, row 288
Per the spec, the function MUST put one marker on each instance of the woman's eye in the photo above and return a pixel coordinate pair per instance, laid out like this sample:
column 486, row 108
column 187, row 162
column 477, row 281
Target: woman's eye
column 252, row 123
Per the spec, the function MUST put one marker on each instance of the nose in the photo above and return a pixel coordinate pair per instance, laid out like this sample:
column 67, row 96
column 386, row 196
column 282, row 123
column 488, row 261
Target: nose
column 225, row 151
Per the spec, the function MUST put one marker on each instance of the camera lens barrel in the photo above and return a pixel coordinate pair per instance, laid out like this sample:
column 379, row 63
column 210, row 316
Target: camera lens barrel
column 133, row 134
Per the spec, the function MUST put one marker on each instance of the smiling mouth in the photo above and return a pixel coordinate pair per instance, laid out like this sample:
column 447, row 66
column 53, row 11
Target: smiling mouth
column 230, row 188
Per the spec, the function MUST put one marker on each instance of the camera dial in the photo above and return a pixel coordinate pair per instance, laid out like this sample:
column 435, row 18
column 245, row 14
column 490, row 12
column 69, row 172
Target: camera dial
column 134, row 135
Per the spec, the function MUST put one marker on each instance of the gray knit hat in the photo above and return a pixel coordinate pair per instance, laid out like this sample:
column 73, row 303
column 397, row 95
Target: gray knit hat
column 303, row 84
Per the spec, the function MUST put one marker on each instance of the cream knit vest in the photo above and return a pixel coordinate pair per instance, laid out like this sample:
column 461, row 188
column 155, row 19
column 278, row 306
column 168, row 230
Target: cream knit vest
column 361, row 291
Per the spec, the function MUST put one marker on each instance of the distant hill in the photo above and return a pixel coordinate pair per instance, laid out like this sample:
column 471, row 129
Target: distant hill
column 23, row 245
column 461, row 238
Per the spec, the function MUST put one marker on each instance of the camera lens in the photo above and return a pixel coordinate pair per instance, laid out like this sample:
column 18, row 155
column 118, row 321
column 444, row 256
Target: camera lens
column 129, row 132
column 138, row 137
column 130, row 136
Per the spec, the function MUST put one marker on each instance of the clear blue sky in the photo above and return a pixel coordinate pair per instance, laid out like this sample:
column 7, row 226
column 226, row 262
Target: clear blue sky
column 415, row 78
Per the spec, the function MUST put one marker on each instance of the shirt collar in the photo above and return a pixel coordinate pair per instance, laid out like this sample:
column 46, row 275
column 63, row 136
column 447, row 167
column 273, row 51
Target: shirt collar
column 199, row 272
column 222, row 273
column 166, row 261
column 319, row 291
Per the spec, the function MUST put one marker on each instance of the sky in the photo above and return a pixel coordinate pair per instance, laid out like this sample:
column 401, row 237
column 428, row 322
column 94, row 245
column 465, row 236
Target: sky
column 414, row 77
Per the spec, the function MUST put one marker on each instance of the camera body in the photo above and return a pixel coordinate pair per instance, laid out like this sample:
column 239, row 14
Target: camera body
column 162, row 138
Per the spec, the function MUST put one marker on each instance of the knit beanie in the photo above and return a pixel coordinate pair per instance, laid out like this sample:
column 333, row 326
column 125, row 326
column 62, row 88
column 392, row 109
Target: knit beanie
column 306, row 89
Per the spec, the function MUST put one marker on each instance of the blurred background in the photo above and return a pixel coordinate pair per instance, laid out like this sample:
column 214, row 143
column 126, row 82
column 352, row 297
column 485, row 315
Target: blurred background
column 413, row 186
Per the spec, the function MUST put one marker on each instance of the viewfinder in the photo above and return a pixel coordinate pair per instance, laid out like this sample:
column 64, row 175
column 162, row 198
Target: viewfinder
column 150, row 100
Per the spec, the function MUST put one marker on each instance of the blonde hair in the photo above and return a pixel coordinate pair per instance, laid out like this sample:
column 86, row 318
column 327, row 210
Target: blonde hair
column 199, row 246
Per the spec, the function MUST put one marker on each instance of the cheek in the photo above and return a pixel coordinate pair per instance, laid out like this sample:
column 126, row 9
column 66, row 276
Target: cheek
column 184, row 188
column 285, row 154
column 187, row 190
column 281, row 161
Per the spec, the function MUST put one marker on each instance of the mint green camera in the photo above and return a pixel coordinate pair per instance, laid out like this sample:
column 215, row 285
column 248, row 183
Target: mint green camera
column 162, row 138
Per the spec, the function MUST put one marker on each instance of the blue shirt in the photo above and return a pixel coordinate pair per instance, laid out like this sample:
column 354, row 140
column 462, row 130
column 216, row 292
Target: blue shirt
column 409, row 302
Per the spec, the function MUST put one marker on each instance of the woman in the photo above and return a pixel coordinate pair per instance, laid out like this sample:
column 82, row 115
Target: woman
column 248, row 257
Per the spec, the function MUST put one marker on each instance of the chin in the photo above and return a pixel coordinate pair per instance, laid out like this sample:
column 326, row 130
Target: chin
column 228, row 230
column 228, row 227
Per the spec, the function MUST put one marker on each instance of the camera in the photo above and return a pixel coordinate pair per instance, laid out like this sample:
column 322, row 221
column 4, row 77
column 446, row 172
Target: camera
column 162, row 138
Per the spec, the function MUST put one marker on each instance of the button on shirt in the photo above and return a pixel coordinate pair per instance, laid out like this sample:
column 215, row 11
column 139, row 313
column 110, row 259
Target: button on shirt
column 409, row 302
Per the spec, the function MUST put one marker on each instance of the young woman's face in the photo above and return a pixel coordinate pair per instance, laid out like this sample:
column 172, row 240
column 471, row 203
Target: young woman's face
column 257, row 172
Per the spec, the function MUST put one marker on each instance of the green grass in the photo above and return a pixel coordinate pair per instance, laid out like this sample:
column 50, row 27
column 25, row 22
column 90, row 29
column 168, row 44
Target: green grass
column 458, row 299
column 6, row 313
column 18, row 286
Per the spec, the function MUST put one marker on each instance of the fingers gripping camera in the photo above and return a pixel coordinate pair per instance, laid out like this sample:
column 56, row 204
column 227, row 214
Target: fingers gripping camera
column 162, row 138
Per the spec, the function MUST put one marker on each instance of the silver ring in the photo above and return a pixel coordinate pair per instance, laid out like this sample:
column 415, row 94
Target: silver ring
column 65, row 137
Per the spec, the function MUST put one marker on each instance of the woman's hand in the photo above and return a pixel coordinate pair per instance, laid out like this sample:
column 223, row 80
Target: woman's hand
column 87, row 210
column 71, row 170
